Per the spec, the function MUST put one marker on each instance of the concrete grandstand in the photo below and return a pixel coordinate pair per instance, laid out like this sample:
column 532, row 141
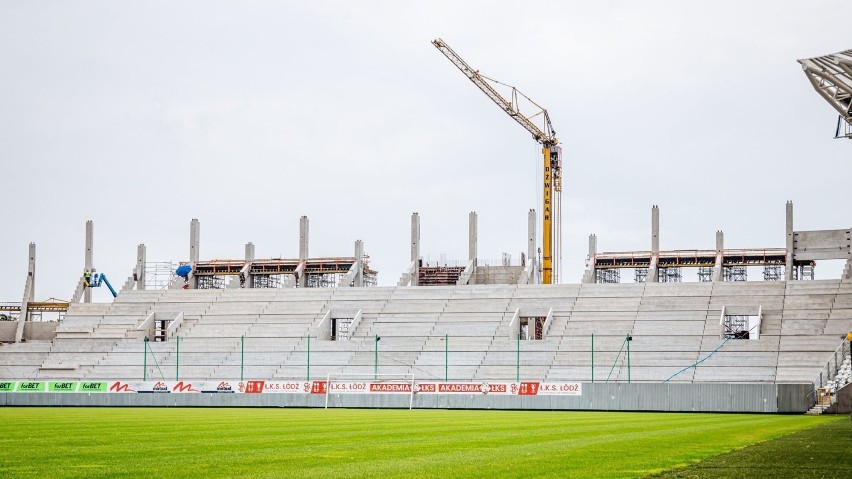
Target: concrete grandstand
column 315, row 318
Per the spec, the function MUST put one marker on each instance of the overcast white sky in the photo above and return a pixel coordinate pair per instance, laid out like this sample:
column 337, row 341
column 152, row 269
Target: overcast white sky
column 247, row 115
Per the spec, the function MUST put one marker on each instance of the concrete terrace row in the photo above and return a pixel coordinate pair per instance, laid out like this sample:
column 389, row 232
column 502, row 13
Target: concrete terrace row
column 458, row 332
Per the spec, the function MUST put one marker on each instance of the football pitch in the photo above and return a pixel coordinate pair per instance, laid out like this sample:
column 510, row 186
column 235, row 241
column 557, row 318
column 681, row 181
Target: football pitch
column 337, row 443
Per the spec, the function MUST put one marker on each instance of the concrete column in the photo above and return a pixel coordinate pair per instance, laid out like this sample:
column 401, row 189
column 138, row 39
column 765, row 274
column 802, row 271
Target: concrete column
column 89, row 259
column 531, row 239
column 304, row 227
column 653, row 273
column 194, row 240
column 359, row 258
column 788, row 271
column 247, row 267
column 719, row 269
column 415, row 246
column 472, row 240
column 194, row 249
column 589, row 274
column 472, row 236
column 30, row 293
column 140, row 267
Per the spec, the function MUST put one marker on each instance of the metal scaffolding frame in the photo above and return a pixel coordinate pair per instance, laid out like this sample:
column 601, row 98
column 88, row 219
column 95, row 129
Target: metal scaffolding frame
column 608, row 275
column 773, row 273
column 159, row 275
column 736, row 327
column 735, row 273
column 639, row 275
column 670, row 275
column 705, row 274
column 804, row 272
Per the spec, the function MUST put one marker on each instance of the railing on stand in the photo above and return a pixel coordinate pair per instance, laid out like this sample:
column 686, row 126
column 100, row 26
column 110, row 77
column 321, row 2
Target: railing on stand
column 826, row 378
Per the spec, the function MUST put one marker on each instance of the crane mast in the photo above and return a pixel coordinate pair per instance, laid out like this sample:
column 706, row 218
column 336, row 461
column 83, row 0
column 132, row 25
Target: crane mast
column 551, row 252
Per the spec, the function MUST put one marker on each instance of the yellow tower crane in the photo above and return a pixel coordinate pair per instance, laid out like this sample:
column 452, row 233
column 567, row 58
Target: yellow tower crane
column 551, row 253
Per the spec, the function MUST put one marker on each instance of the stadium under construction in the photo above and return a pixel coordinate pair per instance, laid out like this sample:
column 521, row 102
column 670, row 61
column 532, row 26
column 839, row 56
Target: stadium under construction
column 757, row 332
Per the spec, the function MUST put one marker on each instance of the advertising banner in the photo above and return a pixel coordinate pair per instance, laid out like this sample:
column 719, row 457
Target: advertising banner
column 525, row 388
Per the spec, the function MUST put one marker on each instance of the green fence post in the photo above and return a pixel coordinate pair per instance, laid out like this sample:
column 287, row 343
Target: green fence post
column 242, row 354
column 376, row 359
column 518, row 360
column 145, row 359
column 309, row 358
column 593, row 357
column 446, row 358
column 629, row 339
column 177, row 359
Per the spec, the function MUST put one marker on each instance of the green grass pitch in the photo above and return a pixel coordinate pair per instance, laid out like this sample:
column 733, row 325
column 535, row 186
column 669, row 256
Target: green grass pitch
column 338, row 443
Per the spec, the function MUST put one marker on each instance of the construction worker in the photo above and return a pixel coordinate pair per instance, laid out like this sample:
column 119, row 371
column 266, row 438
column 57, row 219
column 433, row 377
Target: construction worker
column 242, row 280
column 87, row 278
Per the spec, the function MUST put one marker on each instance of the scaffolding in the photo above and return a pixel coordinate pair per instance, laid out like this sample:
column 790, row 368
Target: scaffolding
column 323, row 280
column 536, row 332
column 212, row 281
column 705, row 274
column 608, row 275
column 735, row 273
column 670, row 275
column 773, row 272
column 736, row 327
column 804, row 272
column 639, row 275
column 267, row 281
column 158, row 275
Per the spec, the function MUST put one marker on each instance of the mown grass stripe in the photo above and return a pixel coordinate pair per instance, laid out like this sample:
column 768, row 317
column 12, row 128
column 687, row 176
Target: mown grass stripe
column 337, row 443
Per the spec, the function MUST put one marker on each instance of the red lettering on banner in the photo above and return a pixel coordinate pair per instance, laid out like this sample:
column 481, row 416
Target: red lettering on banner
column 182, row 388
column 254, row 387
column 121, row 388
column 390, row 388
column 458, row 388
column 426, row 388
column 319, row 387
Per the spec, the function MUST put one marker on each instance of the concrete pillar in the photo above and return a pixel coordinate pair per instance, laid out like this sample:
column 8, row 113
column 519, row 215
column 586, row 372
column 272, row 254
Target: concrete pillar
column 788, row 271
column 194, row 249
column 89, row 259
column 194, row 240
column 472, row 236
column 472, row 240
column 589, row 274
column 140, row 267
column 359, row 258
column 531, row 239
column 247, row 267
column 304, row 227
column 653, row 273
column 719, row 269
column 30, row 293
column 415, row 246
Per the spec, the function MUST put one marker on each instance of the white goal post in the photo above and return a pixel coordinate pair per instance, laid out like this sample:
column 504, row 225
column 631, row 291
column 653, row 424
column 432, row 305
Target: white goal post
column 359, row 383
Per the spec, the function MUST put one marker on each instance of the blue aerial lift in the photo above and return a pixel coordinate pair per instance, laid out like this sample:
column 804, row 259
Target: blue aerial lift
column 97, row 279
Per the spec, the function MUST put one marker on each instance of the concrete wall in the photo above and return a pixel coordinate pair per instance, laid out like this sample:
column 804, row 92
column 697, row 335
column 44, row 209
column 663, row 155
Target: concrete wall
column 497, row 274
column 739, row 398
column 40, row 331
column 7, row 331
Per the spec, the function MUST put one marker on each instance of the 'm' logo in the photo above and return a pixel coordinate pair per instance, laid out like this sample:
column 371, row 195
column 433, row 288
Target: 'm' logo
column 181, row 387
column 121, row 388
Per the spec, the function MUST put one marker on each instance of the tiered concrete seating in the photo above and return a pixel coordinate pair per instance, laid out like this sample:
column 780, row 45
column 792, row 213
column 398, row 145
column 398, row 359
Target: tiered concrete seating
column 458, row 331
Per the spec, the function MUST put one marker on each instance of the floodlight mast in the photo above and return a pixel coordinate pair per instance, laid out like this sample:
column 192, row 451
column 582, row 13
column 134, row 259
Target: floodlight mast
column 831, row 77
column 551, row 152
